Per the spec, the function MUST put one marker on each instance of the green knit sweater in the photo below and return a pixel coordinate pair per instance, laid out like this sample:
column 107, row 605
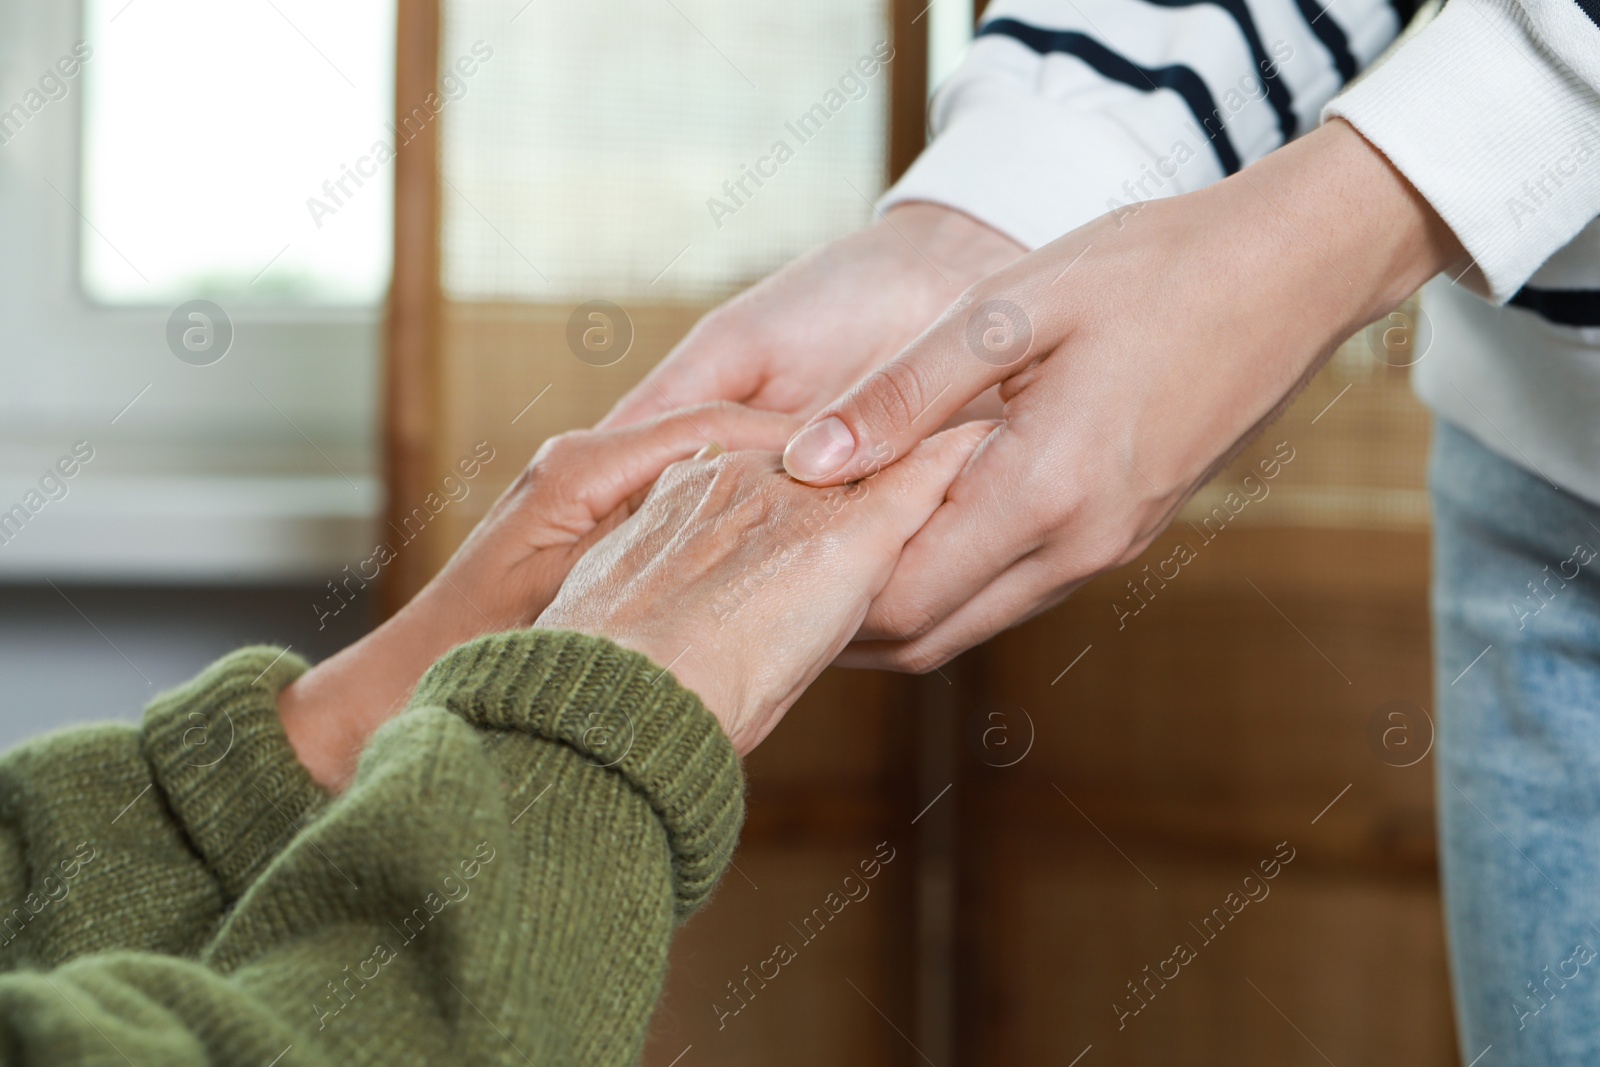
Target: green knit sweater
column 498, row 885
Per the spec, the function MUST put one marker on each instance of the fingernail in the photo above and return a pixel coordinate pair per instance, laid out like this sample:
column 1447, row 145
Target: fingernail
column 819, row 449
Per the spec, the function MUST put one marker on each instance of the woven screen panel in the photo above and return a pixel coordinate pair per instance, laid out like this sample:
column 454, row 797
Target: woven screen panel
column 632, row 150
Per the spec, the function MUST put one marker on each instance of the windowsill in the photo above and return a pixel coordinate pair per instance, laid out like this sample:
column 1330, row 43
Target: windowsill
column 196, row 529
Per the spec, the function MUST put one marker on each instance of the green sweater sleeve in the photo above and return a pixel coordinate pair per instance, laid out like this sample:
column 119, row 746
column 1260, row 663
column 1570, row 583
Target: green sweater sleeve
column 498, row 885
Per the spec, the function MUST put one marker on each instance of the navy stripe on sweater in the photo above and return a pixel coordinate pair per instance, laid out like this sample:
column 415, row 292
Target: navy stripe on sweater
column 1277, row 95
column 1564, row 307
column 1406, row 10
column 1331, row 34
column 1109, row 64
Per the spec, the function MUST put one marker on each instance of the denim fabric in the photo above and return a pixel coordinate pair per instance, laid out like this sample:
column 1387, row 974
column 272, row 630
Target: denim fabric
column 1515, row 572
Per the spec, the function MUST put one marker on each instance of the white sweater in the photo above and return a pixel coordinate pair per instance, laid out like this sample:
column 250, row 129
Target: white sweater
column 1066, row 109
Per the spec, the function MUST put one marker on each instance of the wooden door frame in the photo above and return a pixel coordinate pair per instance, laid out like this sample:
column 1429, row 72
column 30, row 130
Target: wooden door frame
column 411, row 403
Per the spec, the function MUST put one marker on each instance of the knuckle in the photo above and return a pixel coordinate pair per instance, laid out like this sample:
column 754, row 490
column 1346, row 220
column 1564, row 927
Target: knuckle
column 893, row 397
column 1051, row 522
column 744, row 499
column 732, row 476
column 736, row 467
column 675, row 472
column 1102, row 548
column 687, row 470
column 920, row 623
column 725, row 332
column 701, row 336
column 685, row 478
column 555, row 461
column 1075, row 551
column 721, row 320
column 563, row 449
column 911, row 622
column 972, row 298
column 1042, row 519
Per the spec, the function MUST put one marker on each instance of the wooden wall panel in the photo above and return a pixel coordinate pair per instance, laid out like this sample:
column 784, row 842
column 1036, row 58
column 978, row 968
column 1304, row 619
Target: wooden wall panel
column 830, row 789
column 1354, row 964
column 1233, row 712
column 823, row 1005
column 1215, row 710
column 840, row 765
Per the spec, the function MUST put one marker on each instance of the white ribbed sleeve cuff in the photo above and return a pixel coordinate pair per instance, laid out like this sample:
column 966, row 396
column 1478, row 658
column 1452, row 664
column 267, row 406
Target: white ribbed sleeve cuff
column 1501, row 138
column 1034, row 169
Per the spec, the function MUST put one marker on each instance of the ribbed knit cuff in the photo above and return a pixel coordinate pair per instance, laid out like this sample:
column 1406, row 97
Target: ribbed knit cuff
column 625, row 715
column 220, row 757
column 1500, row 137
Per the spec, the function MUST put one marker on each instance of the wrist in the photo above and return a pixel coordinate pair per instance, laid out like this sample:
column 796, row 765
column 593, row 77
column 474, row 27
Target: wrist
column 330, row 712
column 1359, row 237
column 721, row 691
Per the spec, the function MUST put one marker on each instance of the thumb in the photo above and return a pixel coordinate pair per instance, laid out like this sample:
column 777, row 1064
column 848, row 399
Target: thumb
column 974, row 346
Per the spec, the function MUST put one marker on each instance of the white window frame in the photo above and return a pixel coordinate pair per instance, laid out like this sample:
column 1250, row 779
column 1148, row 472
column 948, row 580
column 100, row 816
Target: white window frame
column 260, row 467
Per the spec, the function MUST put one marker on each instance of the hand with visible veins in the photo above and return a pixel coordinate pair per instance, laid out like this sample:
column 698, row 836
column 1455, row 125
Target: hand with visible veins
column 746, row 583
column 1135, row 356
column 578, row 487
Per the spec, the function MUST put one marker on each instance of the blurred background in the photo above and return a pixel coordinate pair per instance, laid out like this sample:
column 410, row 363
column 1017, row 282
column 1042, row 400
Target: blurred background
column 275, row 266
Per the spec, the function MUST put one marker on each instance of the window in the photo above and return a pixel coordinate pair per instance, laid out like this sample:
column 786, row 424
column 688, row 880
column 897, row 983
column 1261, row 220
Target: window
column 227, row 151
column 671, row 153
column 155, row 152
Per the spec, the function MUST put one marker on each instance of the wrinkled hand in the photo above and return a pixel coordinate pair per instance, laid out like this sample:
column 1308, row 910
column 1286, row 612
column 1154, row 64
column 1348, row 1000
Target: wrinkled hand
column 1135, row 357
column 745, row 583
column 800, row 338
column 577, row 488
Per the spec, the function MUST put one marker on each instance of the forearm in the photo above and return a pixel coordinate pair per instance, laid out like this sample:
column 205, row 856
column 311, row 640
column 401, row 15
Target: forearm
column 475, row 868
column 1302, row 250
column 1324, row 236
column 493, row 584
column 1055, row 115
column 1352, row 235
column 1493, row 112
column 952, row 244
column 115, row 837
column 330, row 712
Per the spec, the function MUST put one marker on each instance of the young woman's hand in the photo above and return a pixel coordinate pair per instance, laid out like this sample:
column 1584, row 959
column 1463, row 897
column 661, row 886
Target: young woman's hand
column 796, row 340
column 1135, row 356
column 745, row 583
column 577, row 487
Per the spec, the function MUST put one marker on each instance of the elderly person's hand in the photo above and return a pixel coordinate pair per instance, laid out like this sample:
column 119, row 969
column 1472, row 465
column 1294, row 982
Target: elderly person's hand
column 745, row 583
column 577, row 488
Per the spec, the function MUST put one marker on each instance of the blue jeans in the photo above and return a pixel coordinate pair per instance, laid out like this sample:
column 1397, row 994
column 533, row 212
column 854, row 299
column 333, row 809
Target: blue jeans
column 1516, row 573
